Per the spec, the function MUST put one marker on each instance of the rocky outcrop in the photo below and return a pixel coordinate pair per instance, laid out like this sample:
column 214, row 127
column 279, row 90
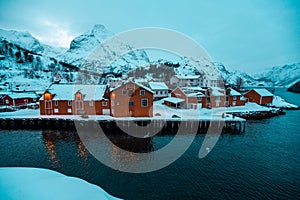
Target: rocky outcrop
column 295, row 88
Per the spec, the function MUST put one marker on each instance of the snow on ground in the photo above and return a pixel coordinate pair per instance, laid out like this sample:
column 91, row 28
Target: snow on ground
column 34, row 183
column 160, row 111
column 279, row 102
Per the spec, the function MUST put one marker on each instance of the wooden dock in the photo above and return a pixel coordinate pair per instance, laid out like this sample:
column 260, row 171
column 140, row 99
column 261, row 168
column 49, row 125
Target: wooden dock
column 159, row 126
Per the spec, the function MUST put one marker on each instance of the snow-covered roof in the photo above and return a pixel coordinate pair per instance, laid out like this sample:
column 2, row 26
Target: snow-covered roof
column 195, row 88
column 158, row 86
column 114, row 79
column 216, row 91
column 263, row 92
column 243, row 98
column 196, row 94
column 67, row 91
column 173, row 100
column 22, row 95
column 190, row 92
column 187, row 77
column 234, row 92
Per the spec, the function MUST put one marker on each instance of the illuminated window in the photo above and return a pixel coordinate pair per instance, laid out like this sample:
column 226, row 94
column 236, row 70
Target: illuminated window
column 78, row 96
column 55, row 110
column 69, row 110
column 7, row 101
column 47, row 96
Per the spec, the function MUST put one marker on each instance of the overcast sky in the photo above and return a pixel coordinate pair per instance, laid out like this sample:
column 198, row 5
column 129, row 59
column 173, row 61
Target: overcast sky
column 251, row 35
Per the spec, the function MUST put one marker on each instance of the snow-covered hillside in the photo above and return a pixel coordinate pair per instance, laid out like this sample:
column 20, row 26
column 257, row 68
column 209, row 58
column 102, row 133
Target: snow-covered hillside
column 285, row 75
column 231, row 77
column 82, row 46
column 28, row 64
column 27, row 41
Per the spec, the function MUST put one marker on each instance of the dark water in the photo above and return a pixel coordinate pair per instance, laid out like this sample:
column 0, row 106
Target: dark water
column 261, row 163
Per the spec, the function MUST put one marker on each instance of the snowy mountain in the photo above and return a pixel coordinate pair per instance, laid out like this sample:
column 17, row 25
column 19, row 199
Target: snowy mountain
column 231, row 77
column 28, row 64
column 82, row 46
column 27, row 41
column 285, row 75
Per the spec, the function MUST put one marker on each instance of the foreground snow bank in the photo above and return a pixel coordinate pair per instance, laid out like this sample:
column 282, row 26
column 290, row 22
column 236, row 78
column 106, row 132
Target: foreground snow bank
column 33, row 183
column 279, row 102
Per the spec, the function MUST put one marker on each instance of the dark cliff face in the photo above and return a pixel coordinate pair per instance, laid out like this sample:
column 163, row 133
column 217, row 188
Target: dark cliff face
column 295, row 87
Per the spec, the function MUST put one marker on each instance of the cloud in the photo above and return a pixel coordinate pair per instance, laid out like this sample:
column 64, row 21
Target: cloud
column 55, row 34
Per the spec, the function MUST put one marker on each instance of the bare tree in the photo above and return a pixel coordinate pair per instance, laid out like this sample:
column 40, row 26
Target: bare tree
column 239, row 83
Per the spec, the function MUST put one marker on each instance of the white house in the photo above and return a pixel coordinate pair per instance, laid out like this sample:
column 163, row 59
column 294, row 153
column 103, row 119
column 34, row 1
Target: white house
column 160, row 89
column 114, row 82
column 189, row 80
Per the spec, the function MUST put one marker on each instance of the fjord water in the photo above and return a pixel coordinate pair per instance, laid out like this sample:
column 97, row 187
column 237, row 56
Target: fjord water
column 261, row 163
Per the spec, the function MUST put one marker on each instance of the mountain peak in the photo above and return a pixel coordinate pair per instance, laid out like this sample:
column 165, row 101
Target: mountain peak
column 100, row 32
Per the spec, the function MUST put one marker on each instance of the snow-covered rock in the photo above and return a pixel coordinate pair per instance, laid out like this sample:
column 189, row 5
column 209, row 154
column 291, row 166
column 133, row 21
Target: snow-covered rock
column 279, row 102
column 18, row 183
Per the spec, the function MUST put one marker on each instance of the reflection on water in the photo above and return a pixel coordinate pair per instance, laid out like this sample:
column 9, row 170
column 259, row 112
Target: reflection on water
column 54, row 139
column 262, row 163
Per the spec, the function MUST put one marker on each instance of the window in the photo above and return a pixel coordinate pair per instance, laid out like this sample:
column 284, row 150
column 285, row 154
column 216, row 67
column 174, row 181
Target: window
column 123, row 92
column 112, row 103
column 130, row 93
column 91, row 103
column 56, row 103
column 218, row 98
column 104, row 103
column 7, row 101
column 227, row 98
column 55, row 110
column 145, row 102
column 78, row 96
column 130, row 103
column 234, row 98
column 69, row 103
column 208, row 99
column 69, row 110
column 34, row 100
column 142, row 92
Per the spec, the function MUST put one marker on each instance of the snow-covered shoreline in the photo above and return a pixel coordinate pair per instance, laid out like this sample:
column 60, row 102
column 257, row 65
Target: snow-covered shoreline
column 36, row 183
column 160, row 112
column 279, row 102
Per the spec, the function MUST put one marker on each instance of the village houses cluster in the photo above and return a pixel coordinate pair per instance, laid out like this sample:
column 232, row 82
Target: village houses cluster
column 120, row 98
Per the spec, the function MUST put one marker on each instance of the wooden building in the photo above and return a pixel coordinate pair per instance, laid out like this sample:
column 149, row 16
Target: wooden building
column 68, row 99
column 131, row 100
column 234, row 98
column 20, row 98
column 215, row 97
column 259, row 96
column 193, row 97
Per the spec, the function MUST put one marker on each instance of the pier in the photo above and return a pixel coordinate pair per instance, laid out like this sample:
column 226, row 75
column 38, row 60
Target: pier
column 155, row 126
